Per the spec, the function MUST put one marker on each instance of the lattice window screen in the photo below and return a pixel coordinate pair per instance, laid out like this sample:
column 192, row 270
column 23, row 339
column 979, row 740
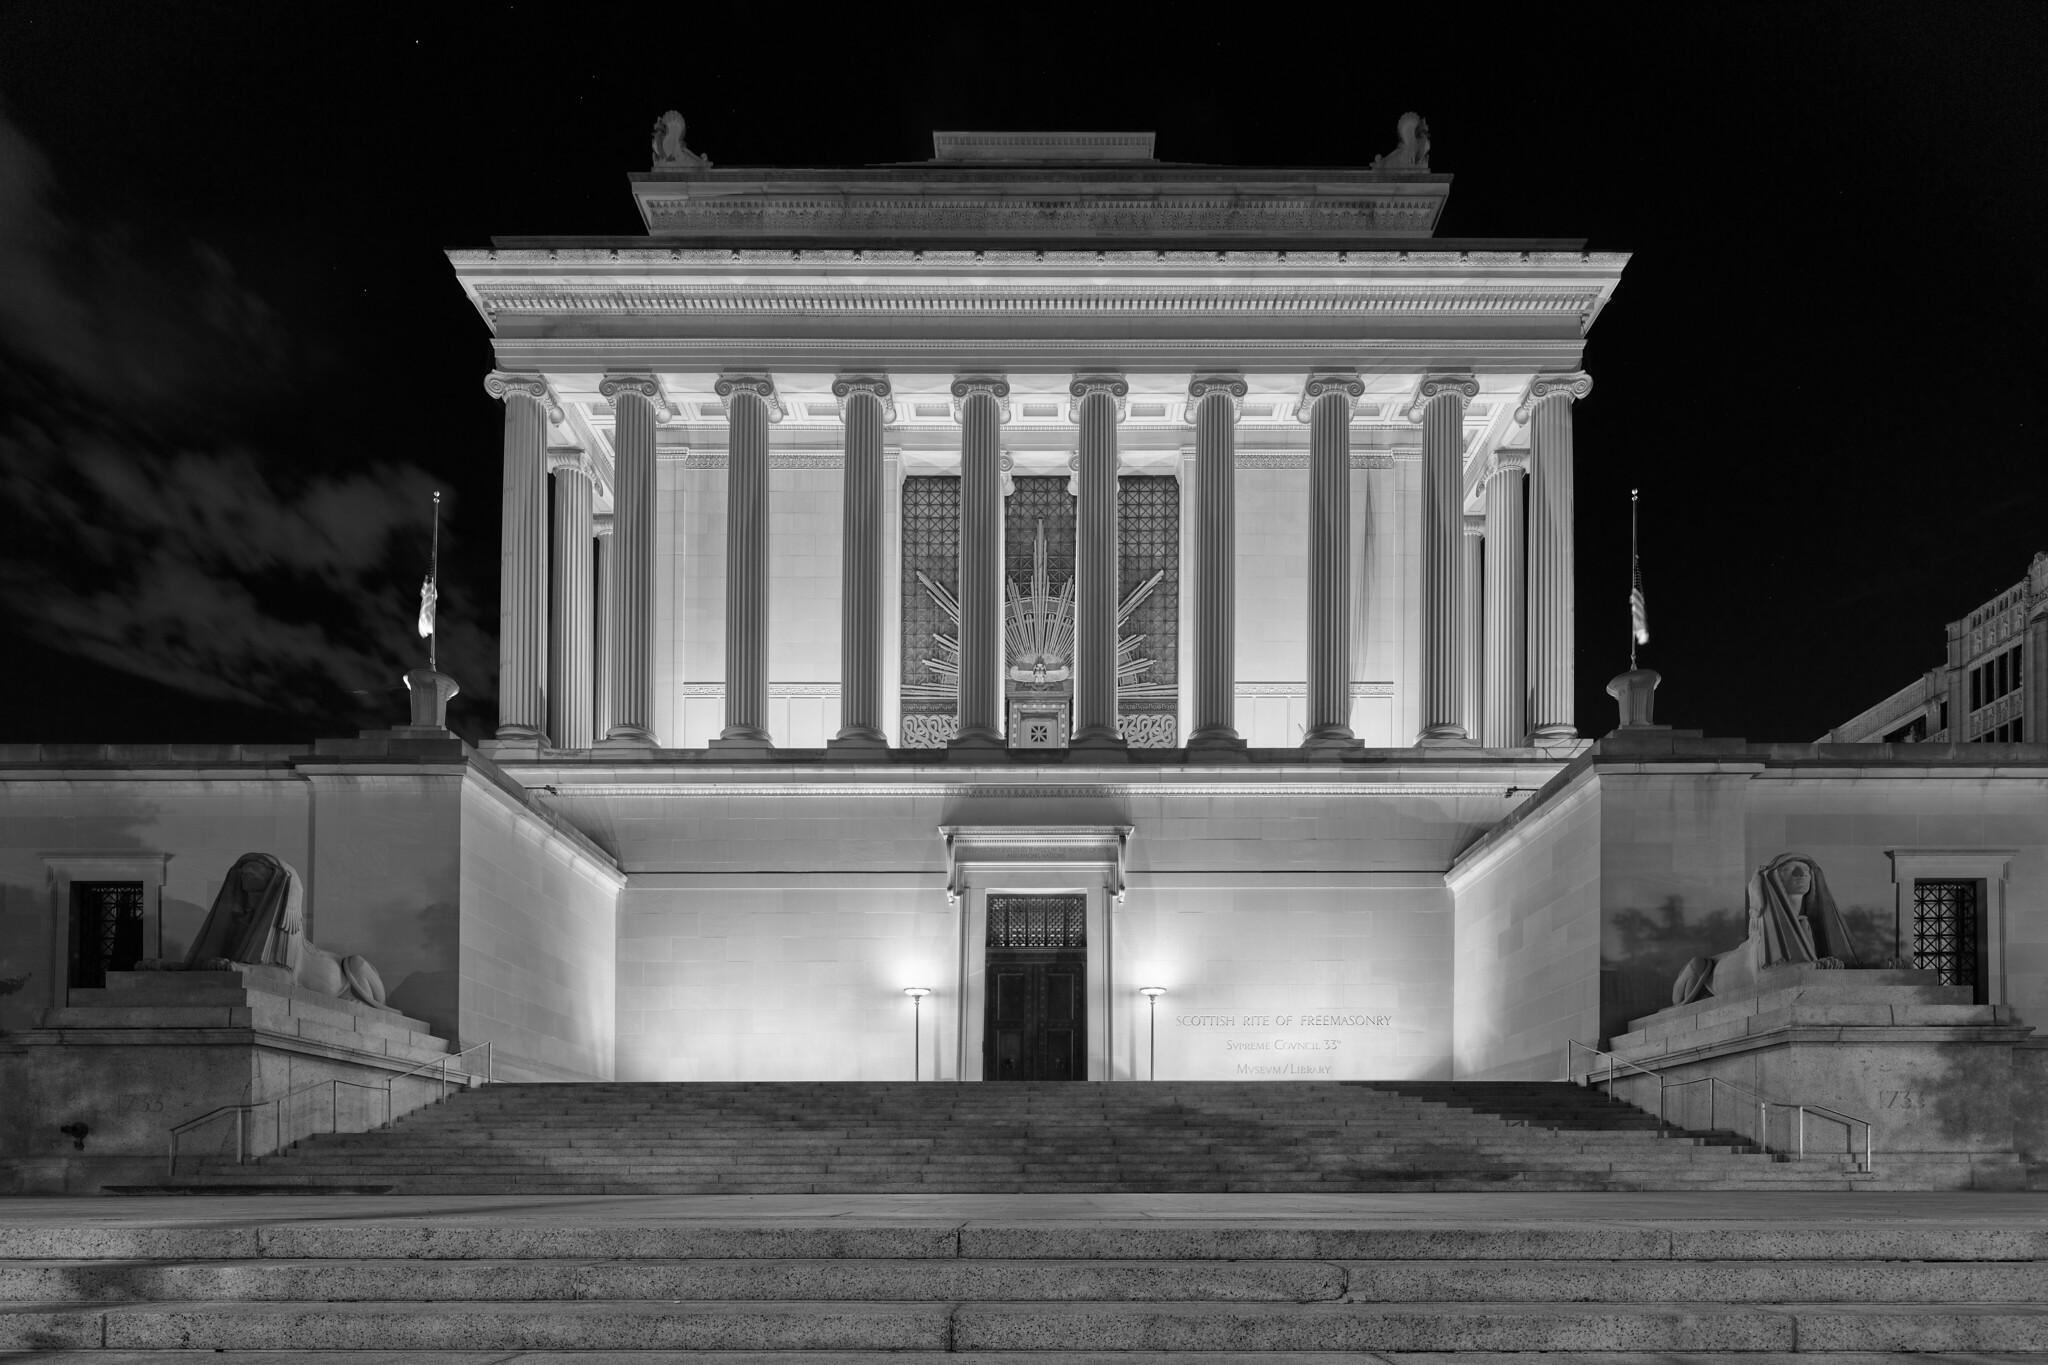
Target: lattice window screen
column 1037, row 921
column 1945, row 930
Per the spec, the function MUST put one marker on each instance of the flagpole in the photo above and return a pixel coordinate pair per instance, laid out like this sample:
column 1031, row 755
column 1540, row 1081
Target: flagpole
column 434, row 574
column 1634, row 572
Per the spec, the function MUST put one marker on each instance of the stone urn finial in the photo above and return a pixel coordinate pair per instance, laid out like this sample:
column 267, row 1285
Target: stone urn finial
column 1635, row 693
column 431, row 693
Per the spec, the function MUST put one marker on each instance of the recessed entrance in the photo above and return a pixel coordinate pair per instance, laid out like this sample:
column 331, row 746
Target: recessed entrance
column 1036, row 1025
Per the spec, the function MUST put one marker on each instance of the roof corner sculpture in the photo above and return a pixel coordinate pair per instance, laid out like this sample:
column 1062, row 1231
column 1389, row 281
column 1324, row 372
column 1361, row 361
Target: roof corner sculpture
column 1413, row 153
column 670, row 152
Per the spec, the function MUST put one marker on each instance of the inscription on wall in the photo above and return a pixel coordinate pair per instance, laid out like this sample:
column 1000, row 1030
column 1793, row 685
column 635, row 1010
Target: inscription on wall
column 1281, row 1042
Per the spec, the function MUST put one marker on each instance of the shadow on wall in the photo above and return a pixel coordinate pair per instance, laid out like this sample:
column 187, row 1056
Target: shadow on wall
column 1642, row 952
column 30, row 929
column 431, row 993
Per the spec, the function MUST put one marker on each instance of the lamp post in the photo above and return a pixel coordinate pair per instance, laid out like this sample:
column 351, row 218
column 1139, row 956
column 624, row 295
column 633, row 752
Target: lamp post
column 1152, row 994
column 917, row 995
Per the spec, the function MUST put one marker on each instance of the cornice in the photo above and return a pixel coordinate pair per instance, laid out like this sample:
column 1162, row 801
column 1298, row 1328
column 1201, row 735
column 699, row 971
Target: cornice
column 501, row 297
column 1459, row 260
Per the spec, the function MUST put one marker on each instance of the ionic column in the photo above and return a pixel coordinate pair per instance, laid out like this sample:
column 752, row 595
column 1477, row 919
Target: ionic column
column 1214, row 404
column 601, row 628
column 1471, row 626
column 751, row 405
column 569, row 606
column 638, row 405
column 864, row 406
column 1440, row 407
column 1096, row 404
column 1505, row 720
column 981, row 404
column 1325, row 405
column 1547, row 412
column 523, row 556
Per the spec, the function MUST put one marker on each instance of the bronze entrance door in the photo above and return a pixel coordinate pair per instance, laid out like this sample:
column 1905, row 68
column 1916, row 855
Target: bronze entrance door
column 1036, row 1026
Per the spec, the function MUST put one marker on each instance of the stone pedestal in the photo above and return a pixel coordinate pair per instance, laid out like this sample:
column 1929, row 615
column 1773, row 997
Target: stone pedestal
column 1931, row 1072
column 431, row 693
column 1635, row 692
column 151, row 1050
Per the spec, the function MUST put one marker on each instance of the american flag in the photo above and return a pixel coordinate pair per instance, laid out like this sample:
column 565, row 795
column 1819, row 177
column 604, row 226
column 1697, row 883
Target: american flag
column 1638, row 611
column 429, row 594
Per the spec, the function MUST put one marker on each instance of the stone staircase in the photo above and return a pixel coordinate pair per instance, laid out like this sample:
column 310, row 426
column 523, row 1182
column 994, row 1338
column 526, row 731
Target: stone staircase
column 1193, row 1137
column 389, row 1288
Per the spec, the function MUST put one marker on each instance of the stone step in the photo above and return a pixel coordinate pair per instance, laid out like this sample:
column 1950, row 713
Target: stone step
column 1034, row 1326
column 1052, row 1281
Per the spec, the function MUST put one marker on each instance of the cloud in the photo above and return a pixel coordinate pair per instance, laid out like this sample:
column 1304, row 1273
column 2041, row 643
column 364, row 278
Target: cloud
column 157, row 530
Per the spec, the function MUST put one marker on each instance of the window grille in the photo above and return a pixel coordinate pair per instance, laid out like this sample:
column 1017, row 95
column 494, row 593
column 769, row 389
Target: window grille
column 1945, row 930
column 110, row 920
column 1037, row 921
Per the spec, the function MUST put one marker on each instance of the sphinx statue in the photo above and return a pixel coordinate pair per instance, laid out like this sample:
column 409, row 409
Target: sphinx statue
column 1413, row 152
column 259, row 917
column 670, row 153
column 1793, row 920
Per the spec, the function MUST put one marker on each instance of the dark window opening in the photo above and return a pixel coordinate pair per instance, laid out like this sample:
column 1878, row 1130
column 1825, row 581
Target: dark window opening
column 106, row 930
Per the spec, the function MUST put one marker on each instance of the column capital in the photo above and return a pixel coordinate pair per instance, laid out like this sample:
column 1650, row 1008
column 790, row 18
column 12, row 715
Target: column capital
column 571, row 460
column 995, row 386
column 1462, row 387
column 1569, row 387
column 646, row 385
column 501, row 386
column 1202, row 385
column 1113, row 385
column 1509, row 462
column 847, row 385
column 1319, row 386
column 1475, row 525
column 601, row 524
column 762, row 386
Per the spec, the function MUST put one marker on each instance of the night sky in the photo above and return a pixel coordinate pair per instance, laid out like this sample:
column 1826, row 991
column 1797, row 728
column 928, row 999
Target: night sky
column 233, row 360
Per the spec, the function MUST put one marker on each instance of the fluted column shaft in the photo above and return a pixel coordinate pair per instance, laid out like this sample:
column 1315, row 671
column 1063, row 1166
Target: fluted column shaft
column 1329, row 562
column 601, row 627
column 630, row 631
column 1471, row 625
column 981, row 579
column 1095, row 563
column 1214, row 723
column 861, row 592
column 569, row 608
column 1441, row 403
column 746, row 563
column 523, row 559
column 1505, row 724
column 1551, row 570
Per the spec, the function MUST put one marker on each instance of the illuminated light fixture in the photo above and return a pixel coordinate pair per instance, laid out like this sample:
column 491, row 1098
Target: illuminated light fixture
column 1152, row 994
column 917, row 995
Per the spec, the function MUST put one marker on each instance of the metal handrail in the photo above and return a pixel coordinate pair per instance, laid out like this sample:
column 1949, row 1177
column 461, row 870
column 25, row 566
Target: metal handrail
column 1848, row 1122
column 490, row 1073
column 242, row 1112
column 1612, row 1061
column 1714, row 1083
